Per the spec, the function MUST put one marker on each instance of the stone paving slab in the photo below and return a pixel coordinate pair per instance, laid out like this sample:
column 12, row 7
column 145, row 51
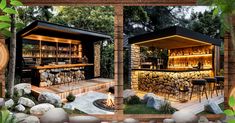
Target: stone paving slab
column 84, row 103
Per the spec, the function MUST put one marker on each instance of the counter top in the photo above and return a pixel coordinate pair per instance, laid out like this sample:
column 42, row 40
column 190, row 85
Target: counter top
column 60, row 66
column 171, row 70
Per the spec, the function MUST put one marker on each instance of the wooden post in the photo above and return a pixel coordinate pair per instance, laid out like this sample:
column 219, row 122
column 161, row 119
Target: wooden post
column 118, row 61
column 2, row 73
column 229, row 67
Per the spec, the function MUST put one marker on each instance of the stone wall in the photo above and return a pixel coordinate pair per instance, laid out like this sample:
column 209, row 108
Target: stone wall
column 96, row 59
column 135, row 63
column 47, row 78
column 168, row 82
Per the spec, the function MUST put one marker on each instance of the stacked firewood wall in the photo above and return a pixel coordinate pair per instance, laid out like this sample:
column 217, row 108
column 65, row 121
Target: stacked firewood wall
column 168, row 82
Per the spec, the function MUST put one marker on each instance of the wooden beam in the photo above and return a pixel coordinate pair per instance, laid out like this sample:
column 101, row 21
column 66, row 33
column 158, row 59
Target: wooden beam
column 118, row 61
column 111, row 2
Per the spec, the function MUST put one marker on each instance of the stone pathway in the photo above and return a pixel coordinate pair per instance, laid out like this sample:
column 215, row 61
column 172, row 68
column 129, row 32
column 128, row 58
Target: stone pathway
column 84, row 103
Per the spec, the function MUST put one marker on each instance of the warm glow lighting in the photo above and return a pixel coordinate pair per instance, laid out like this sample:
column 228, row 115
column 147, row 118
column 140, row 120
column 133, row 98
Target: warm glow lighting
column 110, row 100
column 202, row 55
column 139, row 43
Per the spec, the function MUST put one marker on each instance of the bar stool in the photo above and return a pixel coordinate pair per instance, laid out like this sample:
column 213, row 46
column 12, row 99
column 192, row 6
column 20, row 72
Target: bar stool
column 220, row 83
column 211, row 85
column 66, row 72
column 54, row 72
column 183, row 94
column 74, row 76
column 201, row 87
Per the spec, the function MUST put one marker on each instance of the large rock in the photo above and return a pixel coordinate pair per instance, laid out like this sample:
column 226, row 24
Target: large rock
column 20, row 108
column 31, row 119
column 20, row 117
column 47, row 97
column 23, row 88
column 2, row 102
column 155, row 102
column 84, row 119
column 203, row 119
column 40, row 109
column 213, row 107
column 56, row 115
column 9, row 103
column 128, row 93
column 130, row 120
column 168, row 121
column 184, row 116
column 69, row 106
column 147, row 96
column 26, row 102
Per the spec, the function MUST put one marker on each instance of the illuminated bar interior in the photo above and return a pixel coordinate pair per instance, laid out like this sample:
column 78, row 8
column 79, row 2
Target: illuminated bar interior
column 53, row 54
column 188, row 55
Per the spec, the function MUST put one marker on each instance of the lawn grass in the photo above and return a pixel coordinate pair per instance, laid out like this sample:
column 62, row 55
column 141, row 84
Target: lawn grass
column 139, row 109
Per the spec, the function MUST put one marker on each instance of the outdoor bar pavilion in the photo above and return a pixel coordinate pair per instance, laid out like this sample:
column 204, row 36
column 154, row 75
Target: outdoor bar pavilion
column 192, row 59
column 56, row 56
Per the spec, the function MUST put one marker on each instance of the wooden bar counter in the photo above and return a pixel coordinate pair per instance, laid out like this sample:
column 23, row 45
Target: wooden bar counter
column 49, row 75
column 61, row 66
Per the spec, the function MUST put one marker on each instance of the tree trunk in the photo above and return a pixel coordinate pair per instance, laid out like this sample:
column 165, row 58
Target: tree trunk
column 12, row 62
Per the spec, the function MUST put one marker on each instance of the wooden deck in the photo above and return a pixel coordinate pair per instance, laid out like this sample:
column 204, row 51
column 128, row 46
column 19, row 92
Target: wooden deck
column 97, row 84
column 192, row 105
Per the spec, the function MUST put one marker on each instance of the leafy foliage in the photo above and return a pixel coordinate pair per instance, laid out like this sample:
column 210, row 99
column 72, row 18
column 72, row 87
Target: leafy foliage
column 99, row 19
column 132, row 100
column 205, row 23
column 5, row 21
column 166, row 108
column 70, row 97
column 6, row 116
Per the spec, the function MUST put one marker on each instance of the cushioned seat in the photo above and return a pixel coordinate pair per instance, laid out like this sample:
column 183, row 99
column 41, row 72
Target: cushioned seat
column 200, row 85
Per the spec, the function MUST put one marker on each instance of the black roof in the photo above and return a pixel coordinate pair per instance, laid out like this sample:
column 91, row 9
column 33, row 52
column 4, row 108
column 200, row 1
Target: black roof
column 56, row 30
column 175, row 30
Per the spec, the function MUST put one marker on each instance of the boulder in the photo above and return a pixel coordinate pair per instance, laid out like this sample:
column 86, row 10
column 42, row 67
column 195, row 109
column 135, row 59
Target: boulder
column 184, row 116
column 47, row 97
column 9, row 103
column 155, row 102
column 56, row 115
column 20, row 117
column 23, row 88
column 31, row 119
column 147, row 96
column 40, row 109
column 203, row 119
column 168, row 121
column 213, row 107
column 2, row 102
column 84, row 119
column 20, row 108
column 26, row 102
column 130, row 120
column 128, row 93
column 69, row 106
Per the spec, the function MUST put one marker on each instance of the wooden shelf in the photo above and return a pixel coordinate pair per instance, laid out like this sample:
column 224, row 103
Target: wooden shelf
column 185, row 56
column 61, row 66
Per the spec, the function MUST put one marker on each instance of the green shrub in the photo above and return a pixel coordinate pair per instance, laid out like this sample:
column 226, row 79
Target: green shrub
column 166, row 108
column 6, row 116
column 70, row 97
column 132, row 100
